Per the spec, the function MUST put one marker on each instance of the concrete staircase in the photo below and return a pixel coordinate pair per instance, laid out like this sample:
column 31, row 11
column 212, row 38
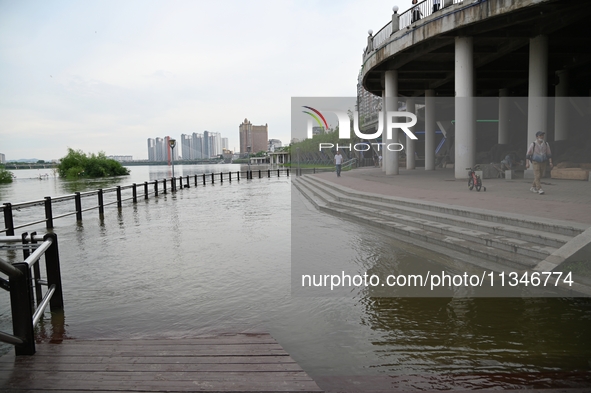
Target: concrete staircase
column 491, row 240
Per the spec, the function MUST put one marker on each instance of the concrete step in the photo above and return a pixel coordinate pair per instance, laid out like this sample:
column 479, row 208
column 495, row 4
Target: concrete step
column 475, row 253
column 523, row 228
column 532, row 243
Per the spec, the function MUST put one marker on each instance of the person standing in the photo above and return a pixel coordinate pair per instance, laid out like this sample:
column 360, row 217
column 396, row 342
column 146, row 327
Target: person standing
column 538, row 153
column 338, row 161
column 435, row 5
column 416, row 12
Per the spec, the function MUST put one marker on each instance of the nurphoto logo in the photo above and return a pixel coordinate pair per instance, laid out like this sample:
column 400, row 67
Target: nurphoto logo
column 392, row 123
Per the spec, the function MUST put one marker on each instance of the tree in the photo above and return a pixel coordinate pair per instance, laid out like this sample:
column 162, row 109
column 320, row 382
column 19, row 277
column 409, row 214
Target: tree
column 5, row 176
column 77, row 164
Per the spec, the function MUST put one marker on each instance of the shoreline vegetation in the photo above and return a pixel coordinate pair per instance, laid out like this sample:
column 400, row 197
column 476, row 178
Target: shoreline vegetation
column 77, row 164
column 5, row 176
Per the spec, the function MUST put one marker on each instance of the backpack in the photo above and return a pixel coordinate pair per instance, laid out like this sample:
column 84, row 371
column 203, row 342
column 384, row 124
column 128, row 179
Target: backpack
column 536, row 157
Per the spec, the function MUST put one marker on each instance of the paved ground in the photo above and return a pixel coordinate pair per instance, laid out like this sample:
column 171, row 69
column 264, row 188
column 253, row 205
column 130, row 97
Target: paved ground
column 566, row 200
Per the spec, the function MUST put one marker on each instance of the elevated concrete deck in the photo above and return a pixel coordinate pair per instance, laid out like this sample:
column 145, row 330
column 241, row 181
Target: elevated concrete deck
column 564, row 200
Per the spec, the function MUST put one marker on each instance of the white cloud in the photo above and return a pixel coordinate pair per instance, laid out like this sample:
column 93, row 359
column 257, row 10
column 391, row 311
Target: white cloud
column 107, row 75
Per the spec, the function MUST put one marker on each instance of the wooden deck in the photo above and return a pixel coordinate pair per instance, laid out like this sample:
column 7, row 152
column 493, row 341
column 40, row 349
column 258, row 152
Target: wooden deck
column 225, row 363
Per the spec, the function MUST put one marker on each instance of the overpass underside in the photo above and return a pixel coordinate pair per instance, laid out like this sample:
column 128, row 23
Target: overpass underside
column 500, row 49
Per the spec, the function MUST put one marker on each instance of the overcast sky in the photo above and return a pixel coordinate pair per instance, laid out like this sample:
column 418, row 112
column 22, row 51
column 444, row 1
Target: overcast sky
column 107, row 75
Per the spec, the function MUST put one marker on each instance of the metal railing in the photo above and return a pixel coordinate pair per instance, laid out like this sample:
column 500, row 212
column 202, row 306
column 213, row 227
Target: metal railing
column 25, row 281
column 347, row 165
column 406, row 19
column 118, row 197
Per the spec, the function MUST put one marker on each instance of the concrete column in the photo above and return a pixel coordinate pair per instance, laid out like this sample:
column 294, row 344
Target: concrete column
column 382, row 150
column 561, row 107
column 465, row 125
column 409, row 146
column 391, row 104
column 538, row 87
column 429, row 130
column 503, row 138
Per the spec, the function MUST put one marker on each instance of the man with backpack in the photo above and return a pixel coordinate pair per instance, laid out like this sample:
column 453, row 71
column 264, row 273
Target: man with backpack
column 538, row 154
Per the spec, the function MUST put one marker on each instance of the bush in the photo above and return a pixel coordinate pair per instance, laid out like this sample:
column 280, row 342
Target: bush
column 5, row 176
column 77, row 164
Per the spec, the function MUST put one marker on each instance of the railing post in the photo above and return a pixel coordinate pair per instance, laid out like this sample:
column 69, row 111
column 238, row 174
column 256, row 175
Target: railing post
column 54, row 275
column 204, row 179
column 134, row 192
column 156, row 188
column 48, row 213
column 8, row 221
column 260, row 176
column 188, row 183
column 22, row 313
column 395, row 20
column 145, row 190
column 268, row 173
column 101, row 202
column 287, row 172
column 173, row 184
column 277, row 172
column 212, row 179
column 26, row 254
column 164, row 186
column 230, row 176
column 195, row 180
column 180, row 182
column 238, row 175
column 37, row 274
column 221, row 177
column 78, row 201
column 119, row 205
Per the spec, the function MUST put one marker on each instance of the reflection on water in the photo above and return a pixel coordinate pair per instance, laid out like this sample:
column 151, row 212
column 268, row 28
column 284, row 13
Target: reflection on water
column 217, row 259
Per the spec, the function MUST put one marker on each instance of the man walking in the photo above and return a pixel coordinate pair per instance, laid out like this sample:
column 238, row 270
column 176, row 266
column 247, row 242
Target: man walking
column 338, row 161
column 538, row 154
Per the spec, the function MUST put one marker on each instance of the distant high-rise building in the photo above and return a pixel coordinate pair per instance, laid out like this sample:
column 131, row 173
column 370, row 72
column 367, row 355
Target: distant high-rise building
column 2, row 159
column 212, row 142
column 253, row 138
column 198, row 145
column 186, row 147
column 225, row 144
column 151, row 149
column 161, row 153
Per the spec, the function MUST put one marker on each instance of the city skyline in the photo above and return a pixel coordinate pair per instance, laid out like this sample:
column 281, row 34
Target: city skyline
column 105, row 76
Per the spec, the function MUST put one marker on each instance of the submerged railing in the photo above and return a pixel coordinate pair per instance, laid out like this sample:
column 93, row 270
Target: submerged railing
column 25, row 286
column 146, row 189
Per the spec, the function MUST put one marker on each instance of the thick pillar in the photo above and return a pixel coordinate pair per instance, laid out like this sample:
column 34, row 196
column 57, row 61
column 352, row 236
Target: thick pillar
column 465, row 134
column 429, row 130
column 503, row 117
column 391, row 104
column 561, row 107
column 382, row 152
column 409, row 146
column 538, row 87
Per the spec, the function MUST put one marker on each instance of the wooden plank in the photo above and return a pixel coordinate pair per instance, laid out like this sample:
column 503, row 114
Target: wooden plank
column 235, row 363
column 157, row 367
column 153, row 360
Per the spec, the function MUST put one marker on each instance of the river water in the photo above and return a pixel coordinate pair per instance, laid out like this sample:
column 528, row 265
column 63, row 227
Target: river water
column 216, row 259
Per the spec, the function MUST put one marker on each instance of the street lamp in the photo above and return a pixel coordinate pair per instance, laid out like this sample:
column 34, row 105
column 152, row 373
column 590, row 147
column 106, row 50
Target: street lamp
column 248, row 157
column 172, row 144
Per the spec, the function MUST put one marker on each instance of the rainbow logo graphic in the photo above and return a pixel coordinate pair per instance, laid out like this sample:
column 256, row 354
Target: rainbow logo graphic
column 316, row 116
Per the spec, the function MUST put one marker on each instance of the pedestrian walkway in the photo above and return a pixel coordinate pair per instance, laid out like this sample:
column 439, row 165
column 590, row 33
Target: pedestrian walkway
column 564, row 200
